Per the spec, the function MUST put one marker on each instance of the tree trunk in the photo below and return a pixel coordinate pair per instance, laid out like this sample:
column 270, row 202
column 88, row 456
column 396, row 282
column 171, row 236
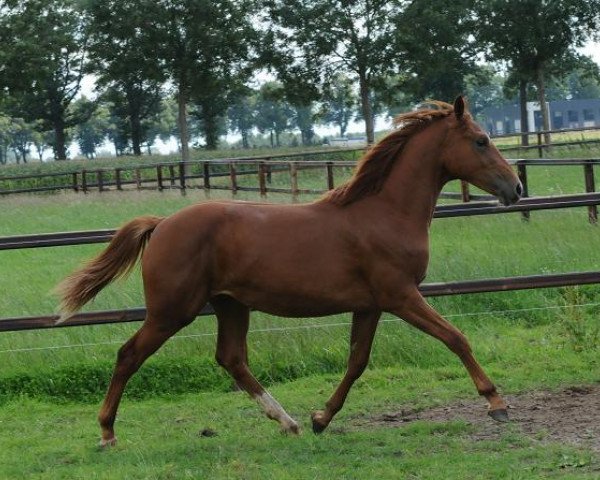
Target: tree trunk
column 272, row 144
column 245, row 139
column 367, row 108
column 182, row 122
column 136, row 132
column 277, row 142
column 542, row 99
column 524, row 116
column 60, row 151
column 210, row 128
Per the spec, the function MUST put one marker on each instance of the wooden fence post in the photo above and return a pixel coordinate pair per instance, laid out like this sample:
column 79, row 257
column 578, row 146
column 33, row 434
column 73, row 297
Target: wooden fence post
column 522, row 172
column 100, row 180
column 294, row 180
column 464, row 191
column 206, row 175
column 159, row 177
column 118, row 178
column 539, row 142
column 172, row 175
column 590, row 187
column 268, row 166
column 75, row 185
column 262, row 170
column 182, row 185
column 233, row 177
column 138, row 179
column 83, row 181
column 329, row 168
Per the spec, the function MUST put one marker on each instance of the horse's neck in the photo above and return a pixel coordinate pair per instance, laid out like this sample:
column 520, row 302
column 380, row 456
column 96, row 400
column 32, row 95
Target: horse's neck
column 416, row 179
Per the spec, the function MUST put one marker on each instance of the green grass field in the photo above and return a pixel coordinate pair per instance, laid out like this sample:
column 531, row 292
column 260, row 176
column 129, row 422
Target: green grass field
column 51, row 381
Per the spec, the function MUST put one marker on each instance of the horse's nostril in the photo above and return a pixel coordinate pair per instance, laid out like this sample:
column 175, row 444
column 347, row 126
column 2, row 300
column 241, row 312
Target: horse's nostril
column 519, row 189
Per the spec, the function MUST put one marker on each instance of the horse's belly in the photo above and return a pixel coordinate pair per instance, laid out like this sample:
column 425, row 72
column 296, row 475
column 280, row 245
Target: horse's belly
column 304, row 302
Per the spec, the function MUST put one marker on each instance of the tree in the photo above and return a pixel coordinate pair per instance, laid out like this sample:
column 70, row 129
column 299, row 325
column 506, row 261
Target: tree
column 242, row 114
column 21, row 138
column 483, row 89
column 125, row 62
column 304, row 119
column 162, row 125
column 316, row 39
column 92, row 133
column 537, row 38
column 438, row 49
column 4, row 138
column 42, row 62
column 41, row 141
column 339, row 102
column 582, row 82
column 191, row 37
column 273, row 113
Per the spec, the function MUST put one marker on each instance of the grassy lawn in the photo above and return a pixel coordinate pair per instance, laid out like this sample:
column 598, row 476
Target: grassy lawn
column 160, row 438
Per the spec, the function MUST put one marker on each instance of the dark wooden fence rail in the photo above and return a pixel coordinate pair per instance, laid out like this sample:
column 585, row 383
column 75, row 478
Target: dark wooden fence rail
column 428, row 290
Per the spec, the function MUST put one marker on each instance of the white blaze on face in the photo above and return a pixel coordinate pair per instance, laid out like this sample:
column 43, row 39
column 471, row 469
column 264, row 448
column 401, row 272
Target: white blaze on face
column 276, row 412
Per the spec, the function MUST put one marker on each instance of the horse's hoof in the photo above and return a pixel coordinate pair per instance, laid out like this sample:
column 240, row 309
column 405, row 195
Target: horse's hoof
column 106, row 443
column 318, row 425
column 500, row 415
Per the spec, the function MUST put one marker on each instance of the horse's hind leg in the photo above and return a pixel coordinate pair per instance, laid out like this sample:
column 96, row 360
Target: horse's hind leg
column 364, row 325
column 416, row 311
column 132, row 354
column 233, row 318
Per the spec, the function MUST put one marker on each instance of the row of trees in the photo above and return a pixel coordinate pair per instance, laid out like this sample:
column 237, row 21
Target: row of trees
column 328, row 53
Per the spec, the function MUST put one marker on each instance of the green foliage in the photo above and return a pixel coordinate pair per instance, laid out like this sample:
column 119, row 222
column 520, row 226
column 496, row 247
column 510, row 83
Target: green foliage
column 273, row 113
column 339, row 102
column 438, row 49
column 580, row 328
column 537, row 37
column 42, row 63
column 307, row 41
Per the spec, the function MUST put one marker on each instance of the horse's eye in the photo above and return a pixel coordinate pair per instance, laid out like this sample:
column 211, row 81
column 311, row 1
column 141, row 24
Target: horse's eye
column 482, row 141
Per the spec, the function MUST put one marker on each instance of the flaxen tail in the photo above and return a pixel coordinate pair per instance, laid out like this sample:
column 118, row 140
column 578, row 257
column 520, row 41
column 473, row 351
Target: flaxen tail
column 115, row 261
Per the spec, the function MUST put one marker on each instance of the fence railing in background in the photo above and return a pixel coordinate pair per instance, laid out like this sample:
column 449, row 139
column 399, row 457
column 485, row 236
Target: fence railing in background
column 176, row 174
column 542, row 147
column 204, row 174
column 428, row 290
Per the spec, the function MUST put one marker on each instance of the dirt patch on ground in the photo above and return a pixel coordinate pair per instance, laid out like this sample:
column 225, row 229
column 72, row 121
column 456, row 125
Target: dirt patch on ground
column 571, row 415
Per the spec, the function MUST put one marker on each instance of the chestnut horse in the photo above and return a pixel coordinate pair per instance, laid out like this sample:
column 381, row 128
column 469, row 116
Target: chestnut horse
column 362, row 248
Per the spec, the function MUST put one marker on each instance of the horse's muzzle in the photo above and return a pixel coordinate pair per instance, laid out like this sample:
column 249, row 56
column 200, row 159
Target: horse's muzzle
column 510, row 194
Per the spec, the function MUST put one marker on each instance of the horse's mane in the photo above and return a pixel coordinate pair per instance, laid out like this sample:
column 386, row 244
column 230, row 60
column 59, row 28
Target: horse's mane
column 375, row 165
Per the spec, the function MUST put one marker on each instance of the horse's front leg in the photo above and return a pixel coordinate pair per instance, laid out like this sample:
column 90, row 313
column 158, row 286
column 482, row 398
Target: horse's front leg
column 364, row 325
column 416, row 311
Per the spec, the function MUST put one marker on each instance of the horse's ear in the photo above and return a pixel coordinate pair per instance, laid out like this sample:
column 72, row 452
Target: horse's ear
column 459, row 107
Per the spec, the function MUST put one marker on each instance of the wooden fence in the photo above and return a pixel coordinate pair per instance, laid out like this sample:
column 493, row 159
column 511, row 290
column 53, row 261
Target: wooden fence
column 428, row 290
column 198, row 174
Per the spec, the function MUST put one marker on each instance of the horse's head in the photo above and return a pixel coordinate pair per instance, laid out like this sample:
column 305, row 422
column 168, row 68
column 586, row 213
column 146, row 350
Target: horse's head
column 470, row 155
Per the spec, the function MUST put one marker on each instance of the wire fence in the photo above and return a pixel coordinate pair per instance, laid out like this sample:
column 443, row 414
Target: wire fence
column 487, row 313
